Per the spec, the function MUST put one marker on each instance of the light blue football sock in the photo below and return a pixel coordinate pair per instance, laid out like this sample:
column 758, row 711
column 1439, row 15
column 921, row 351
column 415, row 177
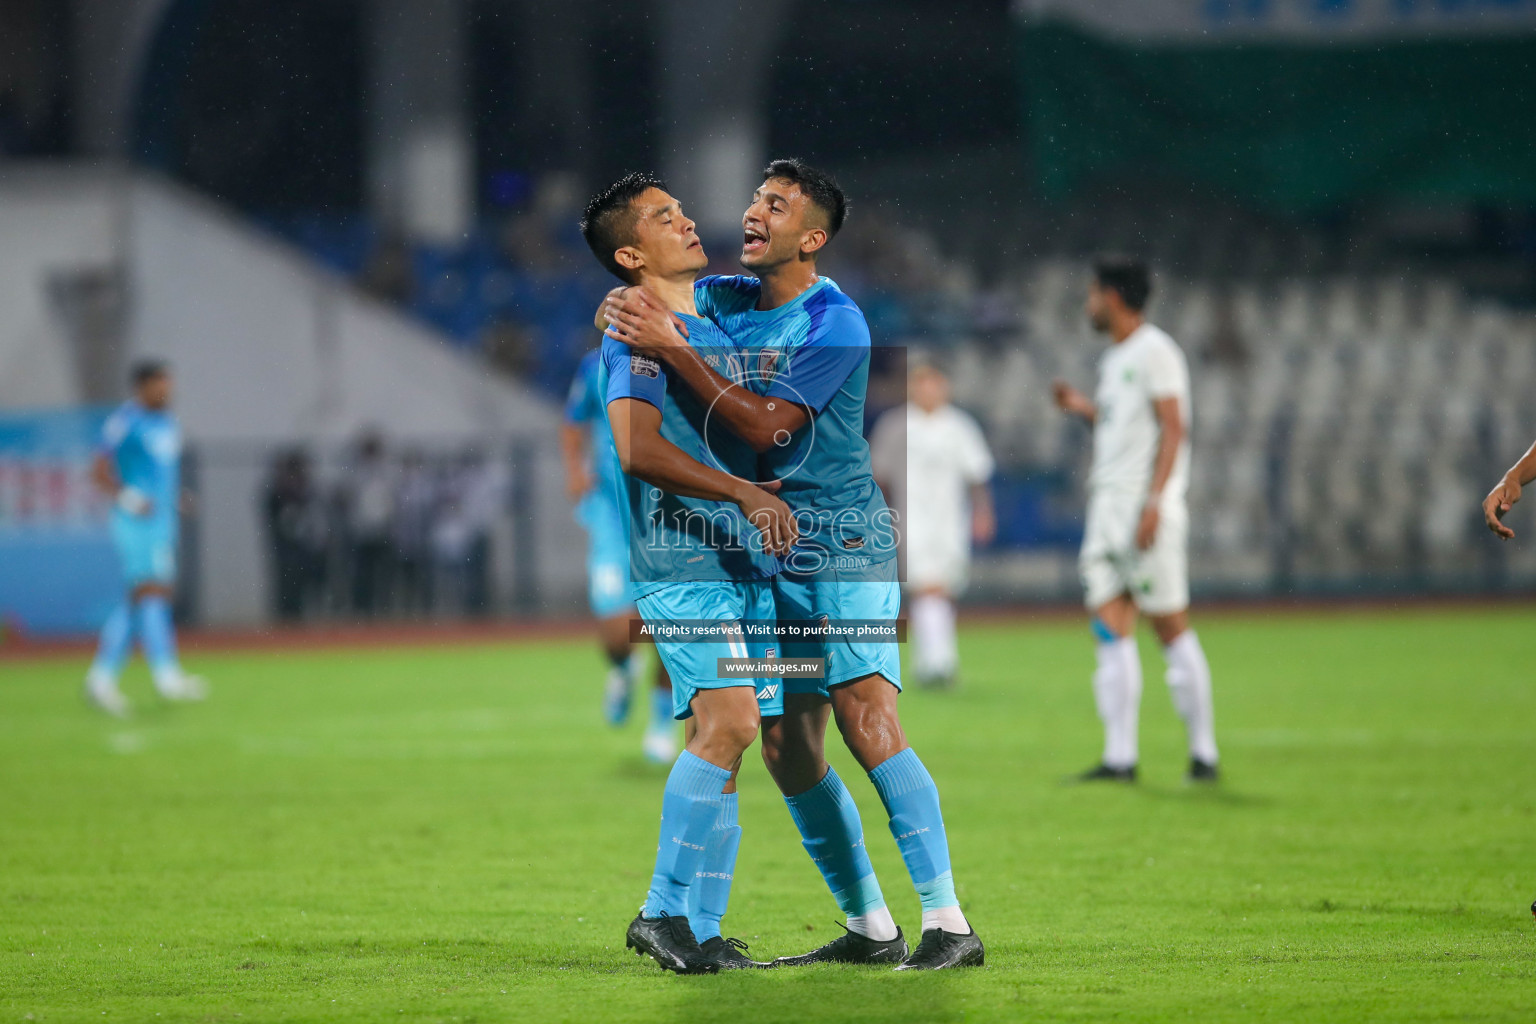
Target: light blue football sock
column 912, row 801
column 711, row 891
column 690, row 805
column 156, row 633
column 661, row 709
column 831, row 832
column 115, row 643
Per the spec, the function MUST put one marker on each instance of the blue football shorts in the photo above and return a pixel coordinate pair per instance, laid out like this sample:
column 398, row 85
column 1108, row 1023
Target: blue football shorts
column 694, row 665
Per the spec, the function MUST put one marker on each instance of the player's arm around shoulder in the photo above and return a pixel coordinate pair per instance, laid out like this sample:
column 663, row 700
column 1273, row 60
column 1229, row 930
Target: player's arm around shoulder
column 758, row 420
column 820, row 365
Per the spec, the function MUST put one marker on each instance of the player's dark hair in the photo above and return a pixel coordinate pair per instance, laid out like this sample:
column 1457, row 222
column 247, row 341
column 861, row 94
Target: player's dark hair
column 608, row 223
column 819, row 187
column 1127, row 277
column 146, row 370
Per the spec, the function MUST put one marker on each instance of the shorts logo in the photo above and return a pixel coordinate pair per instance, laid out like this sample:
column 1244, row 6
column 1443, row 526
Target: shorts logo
column 853, row 543
column 773, row 652
column 644, row 366
column 768, row 692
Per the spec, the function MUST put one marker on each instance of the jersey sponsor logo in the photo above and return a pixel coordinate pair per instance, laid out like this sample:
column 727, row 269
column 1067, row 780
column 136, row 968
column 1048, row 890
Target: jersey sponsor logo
column 768, row 692
column 644, row 366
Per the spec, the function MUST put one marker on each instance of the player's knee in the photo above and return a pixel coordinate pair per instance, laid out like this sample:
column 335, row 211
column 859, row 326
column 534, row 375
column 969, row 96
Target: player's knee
column 734, row 731
column 789, row 752
column 773, row 746
column 1170, row 627
column 871, row 730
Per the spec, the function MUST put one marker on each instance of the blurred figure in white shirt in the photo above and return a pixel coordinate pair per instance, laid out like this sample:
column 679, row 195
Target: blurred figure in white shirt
column 932, row 461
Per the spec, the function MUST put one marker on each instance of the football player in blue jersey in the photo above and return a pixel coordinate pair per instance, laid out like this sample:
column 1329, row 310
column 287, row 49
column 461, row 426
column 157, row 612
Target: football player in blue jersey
column 591, row 477
column 704, row 542
column 807, row 345
column 139, row 467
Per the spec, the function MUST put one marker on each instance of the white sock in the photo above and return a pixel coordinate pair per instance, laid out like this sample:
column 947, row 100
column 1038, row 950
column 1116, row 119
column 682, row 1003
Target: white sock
column 948, row 918
column 878, row 924
column 933, row 622
column 1117, row 690
column 1189, row 683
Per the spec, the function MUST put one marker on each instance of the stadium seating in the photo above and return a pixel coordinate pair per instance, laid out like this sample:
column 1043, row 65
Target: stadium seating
column 1346, row 412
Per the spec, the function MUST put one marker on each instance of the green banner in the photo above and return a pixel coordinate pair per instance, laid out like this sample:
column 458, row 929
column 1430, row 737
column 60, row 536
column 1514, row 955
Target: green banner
column 1289, row 127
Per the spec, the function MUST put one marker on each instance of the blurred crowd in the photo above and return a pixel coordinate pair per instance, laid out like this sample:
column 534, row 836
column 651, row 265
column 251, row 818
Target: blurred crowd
column 403, row 534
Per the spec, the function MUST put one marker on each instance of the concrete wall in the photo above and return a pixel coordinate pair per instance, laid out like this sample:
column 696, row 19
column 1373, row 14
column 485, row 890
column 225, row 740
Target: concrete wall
column 54, row 224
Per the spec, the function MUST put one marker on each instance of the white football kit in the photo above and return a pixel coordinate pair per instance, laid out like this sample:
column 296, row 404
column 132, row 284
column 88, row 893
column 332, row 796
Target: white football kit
column 946, row 456
column 1147, row 366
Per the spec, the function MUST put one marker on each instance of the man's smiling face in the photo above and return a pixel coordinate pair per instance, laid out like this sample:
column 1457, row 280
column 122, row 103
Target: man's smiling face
column 776, row 223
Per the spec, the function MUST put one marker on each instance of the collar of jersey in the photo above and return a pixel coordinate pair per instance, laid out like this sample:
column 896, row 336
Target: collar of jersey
column 753, row 313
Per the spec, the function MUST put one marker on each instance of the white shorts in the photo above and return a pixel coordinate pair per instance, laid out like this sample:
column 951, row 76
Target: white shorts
column 1110, row 564
column 938, row 561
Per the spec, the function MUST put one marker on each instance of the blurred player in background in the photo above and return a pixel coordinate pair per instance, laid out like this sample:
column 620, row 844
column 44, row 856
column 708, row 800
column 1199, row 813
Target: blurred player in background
column 139, row 467
column 1507, row 491
column 591, row 481
column 801, row 408
column 704, row 542
column 942, row 484
column 1134, row 555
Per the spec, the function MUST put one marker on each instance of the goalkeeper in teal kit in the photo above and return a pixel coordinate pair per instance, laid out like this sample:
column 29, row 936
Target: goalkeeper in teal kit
column 801, row 407
column 139, row 468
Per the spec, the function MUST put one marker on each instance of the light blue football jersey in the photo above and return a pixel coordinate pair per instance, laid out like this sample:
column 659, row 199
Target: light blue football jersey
column 813, row 351
column 673, row 539
column 145, row 447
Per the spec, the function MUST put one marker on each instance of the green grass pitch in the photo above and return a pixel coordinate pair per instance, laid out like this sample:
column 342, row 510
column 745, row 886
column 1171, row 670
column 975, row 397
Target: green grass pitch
column 451, row 834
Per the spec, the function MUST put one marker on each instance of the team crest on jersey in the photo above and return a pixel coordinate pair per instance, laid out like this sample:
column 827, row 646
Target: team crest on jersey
column 644, row 366
column 768, row 362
